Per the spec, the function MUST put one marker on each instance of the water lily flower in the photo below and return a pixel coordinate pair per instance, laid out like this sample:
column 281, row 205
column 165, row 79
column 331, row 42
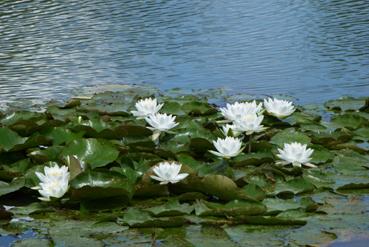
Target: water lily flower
column 53, row 183
column 168, row 172
column 226, row 128
column 296, row 154
column 250, row 123
column 160, row 122
column 279, row 108
column 146, row 107
column 228, row 147
column 235, row 111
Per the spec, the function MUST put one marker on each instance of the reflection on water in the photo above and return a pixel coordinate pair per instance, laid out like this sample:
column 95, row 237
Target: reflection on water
column 48, row 48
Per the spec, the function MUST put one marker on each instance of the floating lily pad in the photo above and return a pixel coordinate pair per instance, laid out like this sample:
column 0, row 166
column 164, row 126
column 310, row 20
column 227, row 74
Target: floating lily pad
column 96, row 153
column 95, row 185
column 232, row 208
column 346, row 104
column 172, row 208
column 220, row 186
column 288, row 136
column 9, row 139
column 294, row 186
column 138, row 218
column 6, row 188
column 349, row 120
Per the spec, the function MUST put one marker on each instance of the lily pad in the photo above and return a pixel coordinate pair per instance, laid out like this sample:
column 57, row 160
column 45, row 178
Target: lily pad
column 288, row 136
column 96, row 153
column 138, row 218
column 349, row 120
column 9, row 139
column 16, row 184
column 294, row 186
column 346, row 104
column 220, row 186
column 95, row 185
column 171, row 208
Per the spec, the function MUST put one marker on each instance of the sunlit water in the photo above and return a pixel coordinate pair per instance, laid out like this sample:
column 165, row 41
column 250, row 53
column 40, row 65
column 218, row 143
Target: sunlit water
column 313, row 50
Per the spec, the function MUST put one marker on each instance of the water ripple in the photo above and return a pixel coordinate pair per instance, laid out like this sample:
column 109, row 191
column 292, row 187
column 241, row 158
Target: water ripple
column 49, row 48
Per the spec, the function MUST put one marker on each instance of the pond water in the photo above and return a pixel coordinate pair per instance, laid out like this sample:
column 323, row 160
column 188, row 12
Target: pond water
column 312, row 50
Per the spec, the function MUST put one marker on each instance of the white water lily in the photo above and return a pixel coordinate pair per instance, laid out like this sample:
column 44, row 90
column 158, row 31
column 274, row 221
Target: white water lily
column 161, row 122
column 235, row 111
column 296, row 154
column 279, row 108
column 226, row 128
column 146, row 107
column 53, row 183
column 250, row 123
column 228, row 147
column 168, row 172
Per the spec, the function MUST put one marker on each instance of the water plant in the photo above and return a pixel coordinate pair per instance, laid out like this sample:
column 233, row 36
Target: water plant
column 123, row 177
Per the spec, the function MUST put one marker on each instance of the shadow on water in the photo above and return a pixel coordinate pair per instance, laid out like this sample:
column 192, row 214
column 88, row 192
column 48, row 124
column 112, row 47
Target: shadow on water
column 301, row 48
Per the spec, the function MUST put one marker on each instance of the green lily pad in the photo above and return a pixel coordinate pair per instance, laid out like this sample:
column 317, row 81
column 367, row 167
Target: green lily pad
column 232, row 208
column 254, row 191
column 19, row 116
column 349, row 120
column 171, row 208
column 16, row 184
column 253, row 159
column 362, row 134
column 277, row 205
column 294, row 186
column 299, row 118
column 198, row 108
column 96, row 153
column 220, row 186
column 346, row 104
column 43, row 155
column 9, row 139
column 138, row 218
column 61, row 135
column 95, row 185
column 288, row 136
column 321, row 155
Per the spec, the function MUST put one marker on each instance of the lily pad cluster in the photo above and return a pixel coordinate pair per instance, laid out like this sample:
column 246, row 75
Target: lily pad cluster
column 111, row 156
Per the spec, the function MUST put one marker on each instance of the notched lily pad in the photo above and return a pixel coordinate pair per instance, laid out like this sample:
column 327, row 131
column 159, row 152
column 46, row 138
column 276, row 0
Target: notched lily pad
column 96, row 153
column 347, row 104
column 171, row 208
column 349, row 120
column 293, row 186
column 288, row 136
column 9, row 139
column 232, row 208
column 253, row 159
column 139, row 218
column 96, row 185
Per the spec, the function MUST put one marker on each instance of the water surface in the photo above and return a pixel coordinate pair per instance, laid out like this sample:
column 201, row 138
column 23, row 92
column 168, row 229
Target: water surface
column 311, row 49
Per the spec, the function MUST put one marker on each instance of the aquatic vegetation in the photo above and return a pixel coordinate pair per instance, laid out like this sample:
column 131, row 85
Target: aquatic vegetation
column 230, row 129
column 104, row 173
column 146, row 107
column 250, row 124
column 160, row 122
column 279, row 108
column 53, row 183
column 296, row 154
column 235, row 111
column 168, row 172
column 228, row 147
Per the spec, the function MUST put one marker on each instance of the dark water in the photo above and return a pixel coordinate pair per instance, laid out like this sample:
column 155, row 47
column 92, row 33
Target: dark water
column 311, row 49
